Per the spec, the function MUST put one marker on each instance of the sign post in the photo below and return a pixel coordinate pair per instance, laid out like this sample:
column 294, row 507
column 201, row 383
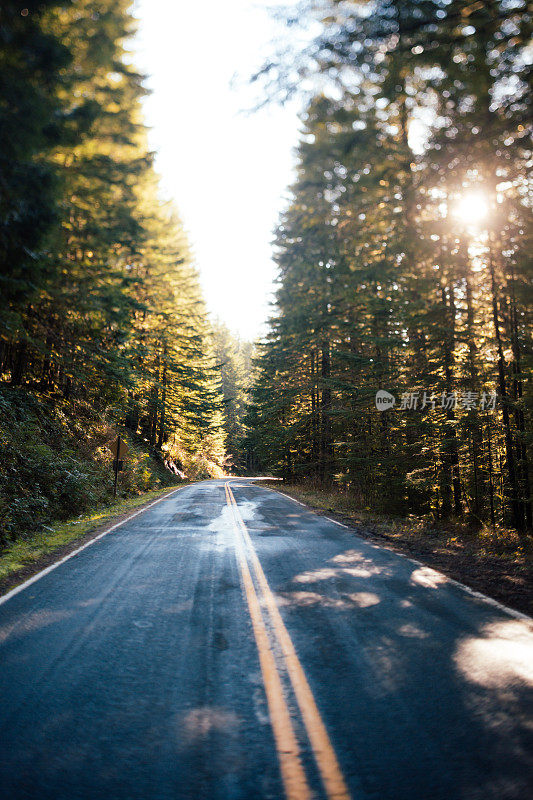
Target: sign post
column 115, row 466
column 119, row 448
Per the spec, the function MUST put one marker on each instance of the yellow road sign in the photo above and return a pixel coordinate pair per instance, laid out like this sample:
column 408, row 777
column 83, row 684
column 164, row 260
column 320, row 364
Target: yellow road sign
column 118, row 452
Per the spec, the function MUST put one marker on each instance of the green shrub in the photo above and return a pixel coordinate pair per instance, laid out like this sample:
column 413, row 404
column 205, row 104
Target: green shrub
column 54, row 463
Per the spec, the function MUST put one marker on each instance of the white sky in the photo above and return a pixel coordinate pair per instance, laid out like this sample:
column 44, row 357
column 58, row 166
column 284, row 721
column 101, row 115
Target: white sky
column 226, row 171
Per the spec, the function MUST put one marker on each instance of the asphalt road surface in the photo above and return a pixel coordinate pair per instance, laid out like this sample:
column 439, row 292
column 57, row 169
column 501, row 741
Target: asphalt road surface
column 229, row 643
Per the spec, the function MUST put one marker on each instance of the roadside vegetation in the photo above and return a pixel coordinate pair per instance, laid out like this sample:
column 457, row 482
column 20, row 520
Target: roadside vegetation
column 56, row 463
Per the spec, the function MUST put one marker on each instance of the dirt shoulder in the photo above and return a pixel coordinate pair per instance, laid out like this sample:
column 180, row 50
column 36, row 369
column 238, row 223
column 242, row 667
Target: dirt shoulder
column 492, row 562
column 26, row 557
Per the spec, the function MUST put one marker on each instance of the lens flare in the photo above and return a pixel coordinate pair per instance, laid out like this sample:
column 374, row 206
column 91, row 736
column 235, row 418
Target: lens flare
column 472, row 208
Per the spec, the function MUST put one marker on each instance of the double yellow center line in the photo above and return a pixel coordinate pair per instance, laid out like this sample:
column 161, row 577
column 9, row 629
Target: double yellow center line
column 292, row 771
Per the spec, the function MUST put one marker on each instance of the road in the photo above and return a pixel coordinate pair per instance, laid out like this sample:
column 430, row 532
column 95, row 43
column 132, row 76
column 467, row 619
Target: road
column 229, row 643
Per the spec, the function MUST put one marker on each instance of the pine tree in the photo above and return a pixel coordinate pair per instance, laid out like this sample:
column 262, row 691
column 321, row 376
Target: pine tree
column 234, row 359
column 379, row 273
column 103, row 318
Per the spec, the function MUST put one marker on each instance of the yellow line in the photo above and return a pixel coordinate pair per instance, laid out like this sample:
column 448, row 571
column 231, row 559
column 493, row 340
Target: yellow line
column 292, row 771
column 325, row 757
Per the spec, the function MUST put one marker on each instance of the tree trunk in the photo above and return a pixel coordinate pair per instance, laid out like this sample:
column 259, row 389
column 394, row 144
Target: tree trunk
column 326, row 444
column 161, row 435
column 450, row 446
column 518, row 520
column 473, row 417
column 19, row 363
column 523, row 463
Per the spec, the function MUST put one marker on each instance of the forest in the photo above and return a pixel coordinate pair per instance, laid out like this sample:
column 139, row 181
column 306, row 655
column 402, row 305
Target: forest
column 404, row 261
column 403, row 270
column 300, row 566
column 103, row 328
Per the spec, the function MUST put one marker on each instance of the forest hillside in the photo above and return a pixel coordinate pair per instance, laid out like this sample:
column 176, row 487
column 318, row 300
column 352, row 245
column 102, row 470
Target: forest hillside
column 103, row 330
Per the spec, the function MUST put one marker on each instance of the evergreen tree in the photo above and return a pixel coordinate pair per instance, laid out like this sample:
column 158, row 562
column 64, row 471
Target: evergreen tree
column 102, row 314
column 32, row 121
column 383, row 285
column 234, row 359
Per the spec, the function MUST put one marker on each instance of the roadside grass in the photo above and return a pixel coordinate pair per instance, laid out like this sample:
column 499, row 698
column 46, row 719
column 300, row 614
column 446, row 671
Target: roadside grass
column 39, row 546
column 494, row 562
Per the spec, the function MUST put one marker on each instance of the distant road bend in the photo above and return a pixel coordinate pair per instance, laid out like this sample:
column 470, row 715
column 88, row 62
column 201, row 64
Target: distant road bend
column 229, row 643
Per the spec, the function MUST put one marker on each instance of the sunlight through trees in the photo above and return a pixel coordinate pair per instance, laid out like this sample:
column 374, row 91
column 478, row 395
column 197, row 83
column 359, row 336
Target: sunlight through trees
column 406, row 271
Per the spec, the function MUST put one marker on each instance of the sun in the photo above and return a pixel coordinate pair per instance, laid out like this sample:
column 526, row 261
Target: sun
column 472, row 208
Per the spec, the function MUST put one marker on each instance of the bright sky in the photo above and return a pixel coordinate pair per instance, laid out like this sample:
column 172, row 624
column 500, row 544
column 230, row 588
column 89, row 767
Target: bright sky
column 226, row 171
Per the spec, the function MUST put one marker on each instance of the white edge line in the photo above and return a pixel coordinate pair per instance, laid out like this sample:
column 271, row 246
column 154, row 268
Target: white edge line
column 288, row 497
column 468, row 589
column 336, row 522
column 472, row 592
column 48, row 569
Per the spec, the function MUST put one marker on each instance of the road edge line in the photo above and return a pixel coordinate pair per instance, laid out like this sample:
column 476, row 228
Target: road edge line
column 336, row 522
column 468, row 589
column 16, row 589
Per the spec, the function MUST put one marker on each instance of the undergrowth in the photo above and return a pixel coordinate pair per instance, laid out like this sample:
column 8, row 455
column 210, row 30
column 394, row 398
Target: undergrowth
column 55, row 463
